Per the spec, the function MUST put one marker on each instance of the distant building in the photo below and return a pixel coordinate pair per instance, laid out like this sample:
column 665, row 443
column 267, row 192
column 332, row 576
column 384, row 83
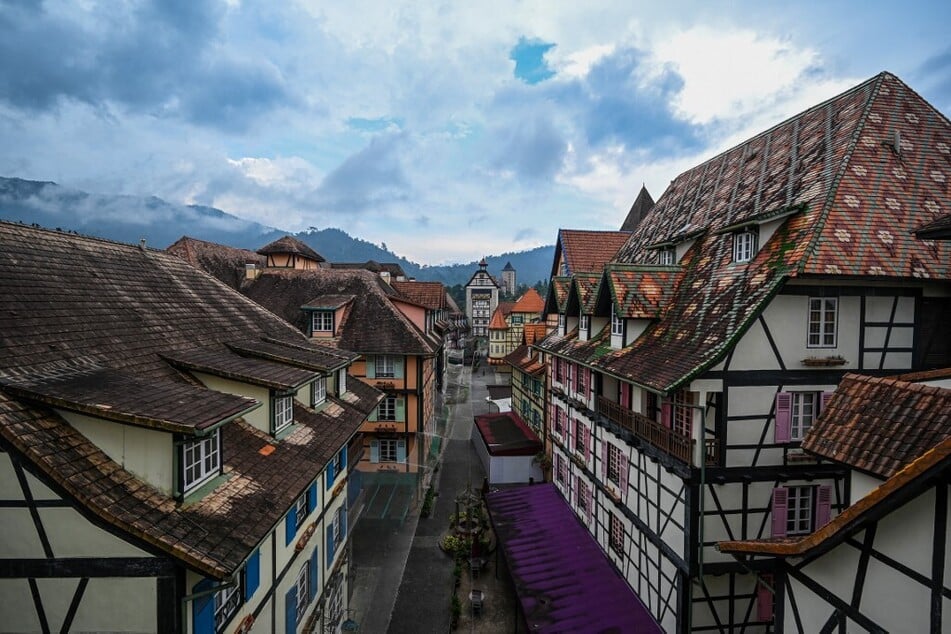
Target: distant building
column 482, row 298
column 389, row 271
column 508, row 279
column 642, row 205
column 505, row 329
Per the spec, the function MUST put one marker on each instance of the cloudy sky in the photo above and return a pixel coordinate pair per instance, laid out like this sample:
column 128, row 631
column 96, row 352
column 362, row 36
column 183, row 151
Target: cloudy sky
column 447, row 130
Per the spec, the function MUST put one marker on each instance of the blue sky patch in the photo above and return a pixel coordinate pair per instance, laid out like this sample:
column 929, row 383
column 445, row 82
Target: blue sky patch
column 530, row 64
column 373, row 125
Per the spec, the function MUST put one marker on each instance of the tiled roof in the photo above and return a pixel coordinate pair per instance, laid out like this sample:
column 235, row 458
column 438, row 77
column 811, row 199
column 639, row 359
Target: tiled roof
column 506, row 434
column 879, row 425
column 558, row 291
column 394, row 269
column 642, row 205
column 520, row 359
column 847, row 204
column 68, row 301
column 221, row 361
column 584, row 287
column 529, row 302
column 939, row 229
column 498, row 321
column 328, row 302
column 432, row 295
column 931, row 467
column 371, row 323
column 301, row 354
column 588, row 251
column 105, row 393
column 223, row 262
column 641, row 291
column 534, row 332
column 290, row 244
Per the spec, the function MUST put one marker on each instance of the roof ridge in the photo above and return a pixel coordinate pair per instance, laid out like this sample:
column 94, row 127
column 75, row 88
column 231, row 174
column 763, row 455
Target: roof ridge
column 76, row 234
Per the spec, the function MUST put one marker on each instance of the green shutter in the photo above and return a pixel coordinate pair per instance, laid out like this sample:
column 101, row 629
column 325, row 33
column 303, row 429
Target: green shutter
column 371, row 367
column 401, row 409
column 374, row 451
column 398, row 363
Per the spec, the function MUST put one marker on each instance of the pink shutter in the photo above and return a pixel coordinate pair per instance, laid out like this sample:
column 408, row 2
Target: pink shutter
column 783, row 417
column 604, row 460
column 780, row 498
column 587, row 444
column 666, row 414
column 571, row 434
column 824, row 400
column 823, row 505
column 764, row 599
column 568, row 373
column 623, row 468
column 590, row 500
column 625, row 396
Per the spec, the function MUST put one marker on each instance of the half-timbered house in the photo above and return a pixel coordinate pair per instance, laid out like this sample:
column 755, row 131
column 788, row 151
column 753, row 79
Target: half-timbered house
column 721, row 327
column 172, row 455
column 882, row 564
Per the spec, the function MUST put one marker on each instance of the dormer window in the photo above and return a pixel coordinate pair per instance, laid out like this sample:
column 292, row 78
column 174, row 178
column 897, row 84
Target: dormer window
column 667, row 257
column 283, row 412
column 561, row 323
column 341, row 381
column 319, row 392
column 322, row 321
column 744, row 245
column 617, row 324
column 585, row 323
column 201, row 461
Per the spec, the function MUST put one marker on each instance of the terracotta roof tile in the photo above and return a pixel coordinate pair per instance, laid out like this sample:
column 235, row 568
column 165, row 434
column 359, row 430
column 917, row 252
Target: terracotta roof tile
column 588, row 251
column 880, row 424
column 641, row 291
column 529, row 302
column 432, row 295
column 498, row 320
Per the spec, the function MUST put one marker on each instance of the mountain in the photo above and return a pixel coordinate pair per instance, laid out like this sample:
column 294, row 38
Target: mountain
column 131, row 218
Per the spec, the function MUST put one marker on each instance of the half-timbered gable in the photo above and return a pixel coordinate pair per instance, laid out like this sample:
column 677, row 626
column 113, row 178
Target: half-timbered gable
column 731, row 313
column 880, row 565
column 163, row 465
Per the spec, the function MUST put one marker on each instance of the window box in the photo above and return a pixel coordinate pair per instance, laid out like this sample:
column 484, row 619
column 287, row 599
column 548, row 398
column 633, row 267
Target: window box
column 824, row 361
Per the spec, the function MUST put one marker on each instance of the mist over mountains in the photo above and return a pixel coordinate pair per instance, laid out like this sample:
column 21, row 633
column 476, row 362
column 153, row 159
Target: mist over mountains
column 131, row 218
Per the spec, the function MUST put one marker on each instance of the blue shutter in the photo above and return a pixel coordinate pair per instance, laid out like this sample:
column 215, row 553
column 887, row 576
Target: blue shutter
column 314, row 572
column 290, row 528
column 290, row 610
column 374, row 451
column 330, row 544
column 343, row 457
column 312, row 498
column 343, row 521
column 203, row 609
column 330, row 474
column 252, row 575
column 401, row 451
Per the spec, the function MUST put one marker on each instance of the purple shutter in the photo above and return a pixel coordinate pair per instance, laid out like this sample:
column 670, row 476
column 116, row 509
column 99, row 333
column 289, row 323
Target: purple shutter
column 780, row 499
column 823, row 505
column 604, row 460
column 590, row 499
column 625, row 396
column 764, row 599
column 824, row 400
column 587, row 444
column 571, row 434
column 623, row 467
column 783, row 417
column 666, row 414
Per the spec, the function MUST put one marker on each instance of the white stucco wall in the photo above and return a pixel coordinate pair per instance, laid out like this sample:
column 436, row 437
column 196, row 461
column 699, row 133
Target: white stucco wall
column 259, row 418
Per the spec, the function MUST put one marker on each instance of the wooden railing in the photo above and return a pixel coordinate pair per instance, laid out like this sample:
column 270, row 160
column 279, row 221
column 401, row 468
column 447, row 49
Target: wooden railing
column 654, row 433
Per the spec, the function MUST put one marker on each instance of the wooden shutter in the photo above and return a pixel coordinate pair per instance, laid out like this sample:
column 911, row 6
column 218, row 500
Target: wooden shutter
column 666, row 414
column 252, row 575
column 823, row 505
column 587, row 443
column 374, row 450
column 401, row 451
column 343, row 520
column 783, row 417
column 330, row 543
column 203, row 610
column 313, row 573
column 571, row 434
column 401, row 409
column 343, row 457
column 399, row 363
column 623, row 466
column 290, row 526
column 290, row 610
column 312, row 498
column 780, row 499
column 764, row 598
column 625, row 396
column 604, row 459
column 371, row 367
column 330, row 474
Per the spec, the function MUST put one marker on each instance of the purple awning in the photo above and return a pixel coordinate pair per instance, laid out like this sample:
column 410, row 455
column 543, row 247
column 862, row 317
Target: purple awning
column 563, row 580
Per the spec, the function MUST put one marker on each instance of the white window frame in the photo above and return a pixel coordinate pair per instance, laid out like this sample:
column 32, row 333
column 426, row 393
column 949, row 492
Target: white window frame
column 802, row 413
column 617, row 324
column 386, row 410
column 341, row 381
column 561, row 323
column 322, row 321
column 303, row 591
column 384, row 366
column 562, row 470
column 667, row 257
column 800, row 510
column 584, row 323
column 579, row 439
column 227, row 602
column 744, row 245
column 201, row 461
column 616, row 538
column 614, row 464
column 388, row 449
column 319, row 391
column 822, row 330
column 583, row 496
column 301, row 510
column 337, row 533
column 283, row 412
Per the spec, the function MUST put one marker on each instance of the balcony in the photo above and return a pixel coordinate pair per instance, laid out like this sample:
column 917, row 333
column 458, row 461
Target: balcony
column 655, row 434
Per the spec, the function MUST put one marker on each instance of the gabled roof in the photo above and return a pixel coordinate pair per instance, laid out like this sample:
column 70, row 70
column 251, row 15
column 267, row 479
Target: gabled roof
column 557, row 298
column 641, row 291
column 879, row 425
column 521, row 359
column 498, row 320
column 529, row 302
column 68, row 302
column 844, row 201
column 587, row 251
column 223, row 262
column 290, row 245
column 534, row 332
column 939, row 229
column 300, row 354
column 642, row 205
column 583, row 288
column 432, row 295
column 394, row 269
